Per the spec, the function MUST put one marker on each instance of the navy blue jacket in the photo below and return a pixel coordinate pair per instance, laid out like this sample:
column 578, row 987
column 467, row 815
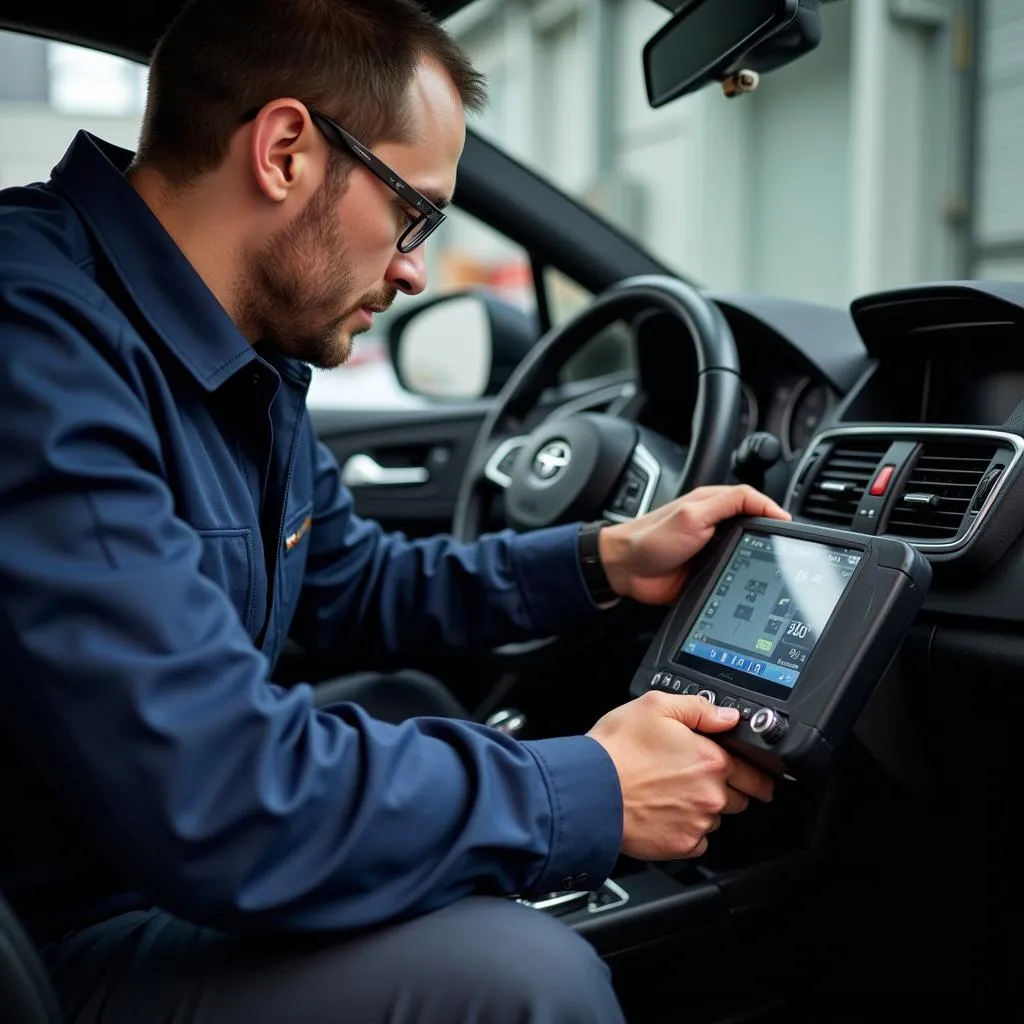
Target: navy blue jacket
column 167, row 520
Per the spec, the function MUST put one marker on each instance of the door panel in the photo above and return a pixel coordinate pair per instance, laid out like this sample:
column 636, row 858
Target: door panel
column 437, row 442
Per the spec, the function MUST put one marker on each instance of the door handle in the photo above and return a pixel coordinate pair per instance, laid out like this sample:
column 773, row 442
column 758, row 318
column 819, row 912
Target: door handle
column 365, row 471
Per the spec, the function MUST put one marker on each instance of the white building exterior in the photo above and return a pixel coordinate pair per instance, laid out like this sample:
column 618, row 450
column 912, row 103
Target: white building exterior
column 894, row 153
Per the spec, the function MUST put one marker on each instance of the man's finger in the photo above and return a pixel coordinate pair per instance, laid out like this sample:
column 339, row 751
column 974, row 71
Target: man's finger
column 736, row 802
column 749, row 780
column 695, row 712
column 740, row 501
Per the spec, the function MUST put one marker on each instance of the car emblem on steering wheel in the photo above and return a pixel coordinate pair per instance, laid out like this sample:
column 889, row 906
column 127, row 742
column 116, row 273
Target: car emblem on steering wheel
column 552, row 460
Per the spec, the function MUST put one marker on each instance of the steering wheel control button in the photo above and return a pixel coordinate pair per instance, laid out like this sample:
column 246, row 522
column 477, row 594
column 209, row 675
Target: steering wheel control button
column 506, row 462
column 769, row 725
column 631, row 492
column 709, row 695
column 502, row 462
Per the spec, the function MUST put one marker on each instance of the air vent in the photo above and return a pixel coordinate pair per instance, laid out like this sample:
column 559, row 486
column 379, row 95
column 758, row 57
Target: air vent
column 937, row 495
column 836, row 491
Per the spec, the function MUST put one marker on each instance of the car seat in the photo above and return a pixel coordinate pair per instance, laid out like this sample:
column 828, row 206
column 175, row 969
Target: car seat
column 26, row 995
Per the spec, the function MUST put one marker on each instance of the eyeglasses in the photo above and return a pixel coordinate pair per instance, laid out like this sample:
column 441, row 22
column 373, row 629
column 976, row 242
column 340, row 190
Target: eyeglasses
column 430, row 216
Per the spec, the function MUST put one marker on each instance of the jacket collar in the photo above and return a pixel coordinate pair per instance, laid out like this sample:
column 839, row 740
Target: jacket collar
column 161, row 281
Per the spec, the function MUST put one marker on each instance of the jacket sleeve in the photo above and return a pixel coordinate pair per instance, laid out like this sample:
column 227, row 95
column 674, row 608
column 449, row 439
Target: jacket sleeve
column 227, row 799
column 381, row 592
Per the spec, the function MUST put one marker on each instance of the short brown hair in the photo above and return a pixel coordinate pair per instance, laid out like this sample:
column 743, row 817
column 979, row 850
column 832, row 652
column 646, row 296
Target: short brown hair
column 352, row 59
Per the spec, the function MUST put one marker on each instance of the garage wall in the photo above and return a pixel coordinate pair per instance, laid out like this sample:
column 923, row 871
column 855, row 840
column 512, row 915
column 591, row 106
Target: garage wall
column 799, row 173
column 999, row 156
column 844, row 173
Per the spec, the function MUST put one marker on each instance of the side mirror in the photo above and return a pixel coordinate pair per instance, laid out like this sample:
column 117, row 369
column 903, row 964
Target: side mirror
column 460, row 346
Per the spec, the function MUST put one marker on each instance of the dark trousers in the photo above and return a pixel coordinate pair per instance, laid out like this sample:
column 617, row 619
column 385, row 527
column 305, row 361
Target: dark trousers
column 484, row 959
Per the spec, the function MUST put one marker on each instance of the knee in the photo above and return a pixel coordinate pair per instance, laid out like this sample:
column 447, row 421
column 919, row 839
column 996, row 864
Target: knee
column 526, row 965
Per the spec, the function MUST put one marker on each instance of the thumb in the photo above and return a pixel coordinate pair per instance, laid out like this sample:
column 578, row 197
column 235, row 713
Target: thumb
column 700, row 715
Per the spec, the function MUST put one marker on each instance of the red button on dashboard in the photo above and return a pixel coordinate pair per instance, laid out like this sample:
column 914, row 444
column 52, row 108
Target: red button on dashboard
column 882, row 481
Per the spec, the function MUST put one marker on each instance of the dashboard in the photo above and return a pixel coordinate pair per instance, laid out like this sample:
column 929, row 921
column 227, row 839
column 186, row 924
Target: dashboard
column 902, row 416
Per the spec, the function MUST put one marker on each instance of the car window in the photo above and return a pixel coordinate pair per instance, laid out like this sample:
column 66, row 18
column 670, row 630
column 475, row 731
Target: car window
column 50, row 90
column 611, row 350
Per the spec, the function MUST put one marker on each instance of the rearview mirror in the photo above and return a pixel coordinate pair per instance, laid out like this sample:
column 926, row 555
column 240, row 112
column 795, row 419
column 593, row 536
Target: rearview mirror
column 460, row 346
column 703, row 41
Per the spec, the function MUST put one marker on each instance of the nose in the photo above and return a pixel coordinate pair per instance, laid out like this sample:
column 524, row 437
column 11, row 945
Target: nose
column 408, row 271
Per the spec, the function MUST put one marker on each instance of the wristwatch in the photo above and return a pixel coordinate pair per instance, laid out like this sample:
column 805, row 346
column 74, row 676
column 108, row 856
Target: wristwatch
column 594, row 576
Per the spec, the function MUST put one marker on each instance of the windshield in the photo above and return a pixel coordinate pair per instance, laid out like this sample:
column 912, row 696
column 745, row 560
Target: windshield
column 890, row 155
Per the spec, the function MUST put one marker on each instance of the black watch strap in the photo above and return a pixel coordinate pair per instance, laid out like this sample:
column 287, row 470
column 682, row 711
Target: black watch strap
column 594, row 576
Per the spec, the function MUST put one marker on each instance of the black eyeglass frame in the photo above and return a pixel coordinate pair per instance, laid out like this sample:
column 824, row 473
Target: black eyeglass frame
column 431, row 217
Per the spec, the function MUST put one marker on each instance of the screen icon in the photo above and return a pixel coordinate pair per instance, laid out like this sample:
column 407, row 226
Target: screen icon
column 743, row 611
column 763, row 644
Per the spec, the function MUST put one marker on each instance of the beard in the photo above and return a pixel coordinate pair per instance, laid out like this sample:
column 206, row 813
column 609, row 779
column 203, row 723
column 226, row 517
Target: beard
column 298, row 287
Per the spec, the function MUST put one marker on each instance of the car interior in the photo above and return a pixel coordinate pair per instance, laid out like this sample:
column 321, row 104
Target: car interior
column 881, row 888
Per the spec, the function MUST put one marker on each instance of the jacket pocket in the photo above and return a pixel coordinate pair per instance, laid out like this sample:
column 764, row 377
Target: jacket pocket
column 228, row 561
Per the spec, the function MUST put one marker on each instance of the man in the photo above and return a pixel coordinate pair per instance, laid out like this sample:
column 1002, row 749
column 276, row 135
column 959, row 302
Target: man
column 185, row 839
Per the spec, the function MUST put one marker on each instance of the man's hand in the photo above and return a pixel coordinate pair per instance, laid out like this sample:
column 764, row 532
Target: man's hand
column 675, row 783
column 648, row 559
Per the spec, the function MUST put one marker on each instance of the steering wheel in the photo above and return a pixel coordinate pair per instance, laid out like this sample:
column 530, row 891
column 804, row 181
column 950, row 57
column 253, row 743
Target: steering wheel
column 588, row 465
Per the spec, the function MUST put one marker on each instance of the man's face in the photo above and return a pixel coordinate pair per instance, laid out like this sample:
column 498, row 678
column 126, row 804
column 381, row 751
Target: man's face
column 317, row 282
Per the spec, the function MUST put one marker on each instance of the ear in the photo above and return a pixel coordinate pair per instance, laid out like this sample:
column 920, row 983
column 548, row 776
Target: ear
column 285, row 150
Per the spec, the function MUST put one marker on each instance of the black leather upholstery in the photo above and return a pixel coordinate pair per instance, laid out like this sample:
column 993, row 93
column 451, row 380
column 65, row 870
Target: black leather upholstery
column 26, row 996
